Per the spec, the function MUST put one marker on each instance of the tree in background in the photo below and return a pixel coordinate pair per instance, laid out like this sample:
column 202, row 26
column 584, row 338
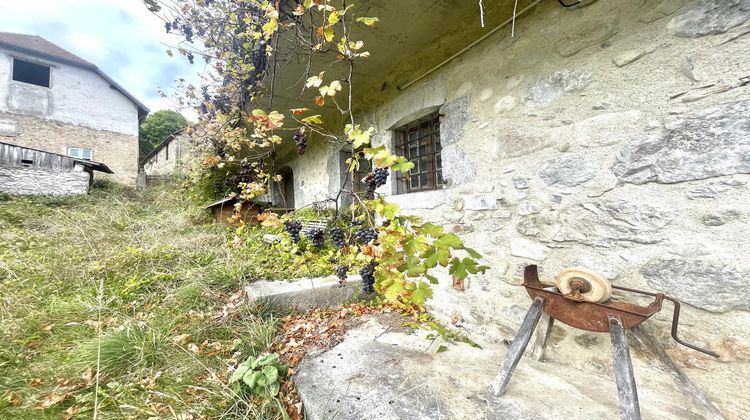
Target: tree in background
column 157, row 127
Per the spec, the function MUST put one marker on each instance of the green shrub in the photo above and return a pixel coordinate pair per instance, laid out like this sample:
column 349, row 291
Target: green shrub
column 259, row 376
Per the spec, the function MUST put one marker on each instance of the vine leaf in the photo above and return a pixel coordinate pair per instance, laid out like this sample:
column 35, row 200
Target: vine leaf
column 369, row 21
column 394, row 290
column 421, row 293
column 313, row 119
column 403, row 165
column 331, row 89
column 449, row 240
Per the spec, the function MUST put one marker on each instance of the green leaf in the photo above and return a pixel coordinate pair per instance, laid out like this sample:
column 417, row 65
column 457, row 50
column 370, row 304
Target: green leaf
column 271, row 373
column 449, row 240
column 438, row 256
column 403, row 165
column 394, row 290
column 421, row 293
column 269, row 359
column 431, row 229
column 239, row 372
column 413, row 266
column 472, row 253
column 442, row 348
column 458, row 269
column 389, row 210
column 415, row 245
column 251, row 378
column 273, row 390
column 432, row 279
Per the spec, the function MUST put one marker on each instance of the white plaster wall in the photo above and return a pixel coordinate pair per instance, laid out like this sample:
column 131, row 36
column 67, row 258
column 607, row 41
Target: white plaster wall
column 76, row 96
column 315, row 173
column 27, row 181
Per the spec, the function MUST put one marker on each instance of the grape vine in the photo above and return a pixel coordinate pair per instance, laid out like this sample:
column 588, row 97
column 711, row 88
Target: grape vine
column 240, row 134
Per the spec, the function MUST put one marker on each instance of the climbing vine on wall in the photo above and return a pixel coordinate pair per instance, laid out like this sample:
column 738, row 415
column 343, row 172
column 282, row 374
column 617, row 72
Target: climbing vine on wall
column 245, row 44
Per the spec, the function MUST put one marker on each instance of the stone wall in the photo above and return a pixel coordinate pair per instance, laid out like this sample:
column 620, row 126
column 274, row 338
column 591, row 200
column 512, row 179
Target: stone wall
column 118, row 151
column 166, row 160
column 27, row 181
column 616, row 137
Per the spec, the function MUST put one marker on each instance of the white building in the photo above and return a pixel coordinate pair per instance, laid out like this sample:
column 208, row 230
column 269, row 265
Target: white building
column 53, row 100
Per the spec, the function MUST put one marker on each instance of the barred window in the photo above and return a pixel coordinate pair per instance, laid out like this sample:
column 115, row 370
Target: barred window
column 419, row 142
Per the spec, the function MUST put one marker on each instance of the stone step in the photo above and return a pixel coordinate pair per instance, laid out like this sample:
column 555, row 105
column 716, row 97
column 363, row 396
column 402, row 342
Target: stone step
column 307, row 293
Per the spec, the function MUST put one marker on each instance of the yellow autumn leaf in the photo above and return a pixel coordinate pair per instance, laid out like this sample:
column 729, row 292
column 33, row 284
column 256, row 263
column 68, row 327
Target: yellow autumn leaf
column 369, row 21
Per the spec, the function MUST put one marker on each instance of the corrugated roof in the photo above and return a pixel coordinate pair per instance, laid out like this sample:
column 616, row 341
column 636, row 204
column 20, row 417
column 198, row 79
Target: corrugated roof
column 40, row 47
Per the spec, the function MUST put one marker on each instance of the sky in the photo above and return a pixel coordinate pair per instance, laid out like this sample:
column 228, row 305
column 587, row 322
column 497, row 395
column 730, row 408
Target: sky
column 121, row 37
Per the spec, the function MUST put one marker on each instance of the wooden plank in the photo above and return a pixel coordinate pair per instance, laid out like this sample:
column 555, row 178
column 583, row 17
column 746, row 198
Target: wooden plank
column 517, row 347
column 624, row 377
column 540, row 340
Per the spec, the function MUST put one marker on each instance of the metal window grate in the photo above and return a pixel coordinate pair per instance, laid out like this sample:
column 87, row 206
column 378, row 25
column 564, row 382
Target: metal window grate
column 419, row 141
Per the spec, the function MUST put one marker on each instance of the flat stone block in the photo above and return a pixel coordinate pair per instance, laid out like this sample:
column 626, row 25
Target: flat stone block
column 307, row 293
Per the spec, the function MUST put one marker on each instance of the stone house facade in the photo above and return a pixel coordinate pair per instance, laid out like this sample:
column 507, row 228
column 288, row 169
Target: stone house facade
column 613, row 136
column 167, row 157
column 53, row 100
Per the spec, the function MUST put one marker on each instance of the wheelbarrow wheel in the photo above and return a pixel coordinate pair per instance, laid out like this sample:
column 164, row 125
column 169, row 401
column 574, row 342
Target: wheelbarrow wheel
column 595, row 288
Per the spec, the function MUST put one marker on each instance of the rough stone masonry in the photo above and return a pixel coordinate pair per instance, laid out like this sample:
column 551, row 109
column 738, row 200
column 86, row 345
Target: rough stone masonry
column 614, row 136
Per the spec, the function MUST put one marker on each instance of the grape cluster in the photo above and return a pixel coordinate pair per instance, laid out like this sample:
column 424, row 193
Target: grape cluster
column 341, row 274
column 317, row 237
column 368, row 277
column 300, row 138
column 293, row 228
column 365, row 235
column 337, row 236
column 380, row 176
column 244, row 174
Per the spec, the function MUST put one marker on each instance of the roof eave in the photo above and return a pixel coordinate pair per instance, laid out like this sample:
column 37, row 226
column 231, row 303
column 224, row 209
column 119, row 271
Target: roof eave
column 142, row 109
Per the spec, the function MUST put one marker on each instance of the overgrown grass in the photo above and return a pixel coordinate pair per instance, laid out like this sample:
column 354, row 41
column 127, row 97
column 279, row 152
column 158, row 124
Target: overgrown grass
column 138, row 284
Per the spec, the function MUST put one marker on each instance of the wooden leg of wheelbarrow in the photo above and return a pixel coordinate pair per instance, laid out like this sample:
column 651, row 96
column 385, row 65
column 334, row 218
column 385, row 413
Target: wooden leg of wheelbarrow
column 542, row 333
column 517, row 347
column 624, row 378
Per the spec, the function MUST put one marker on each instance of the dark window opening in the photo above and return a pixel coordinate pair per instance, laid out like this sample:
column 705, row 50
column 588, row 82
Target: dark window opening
column 167, row 152
column 419, row 142
column 27, row 162
column 27, row 72
column 359, row 186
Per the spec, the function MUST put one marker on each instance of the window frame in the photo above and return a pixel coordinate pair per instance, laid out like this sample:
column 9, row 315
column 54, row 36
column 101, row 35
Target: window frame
column 79, row 156
column 430, row 151
column 32, row 63
column 359, row 186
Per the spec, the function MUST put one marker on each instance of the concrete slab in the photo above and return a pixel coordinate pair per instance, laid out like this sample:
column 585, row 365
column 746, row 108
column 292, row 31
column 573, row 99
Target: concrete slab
column 367, row 376
column 307, row 293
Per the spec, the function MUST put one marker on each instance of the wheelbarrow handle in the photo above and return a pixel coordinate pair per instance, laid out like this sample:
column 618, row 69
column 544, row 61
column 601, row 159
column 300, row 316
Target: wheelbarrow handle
column 675, row 318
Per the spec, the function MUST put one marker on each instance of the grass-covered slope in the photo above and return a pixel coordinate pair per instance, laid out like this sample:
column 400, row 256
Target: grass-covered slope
column 138, row 283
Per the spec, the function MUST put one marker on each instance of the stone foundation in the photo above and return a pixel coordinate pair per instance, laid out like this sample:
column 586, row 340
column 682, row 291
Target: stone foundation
column 26, row 181
column 118, row 151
